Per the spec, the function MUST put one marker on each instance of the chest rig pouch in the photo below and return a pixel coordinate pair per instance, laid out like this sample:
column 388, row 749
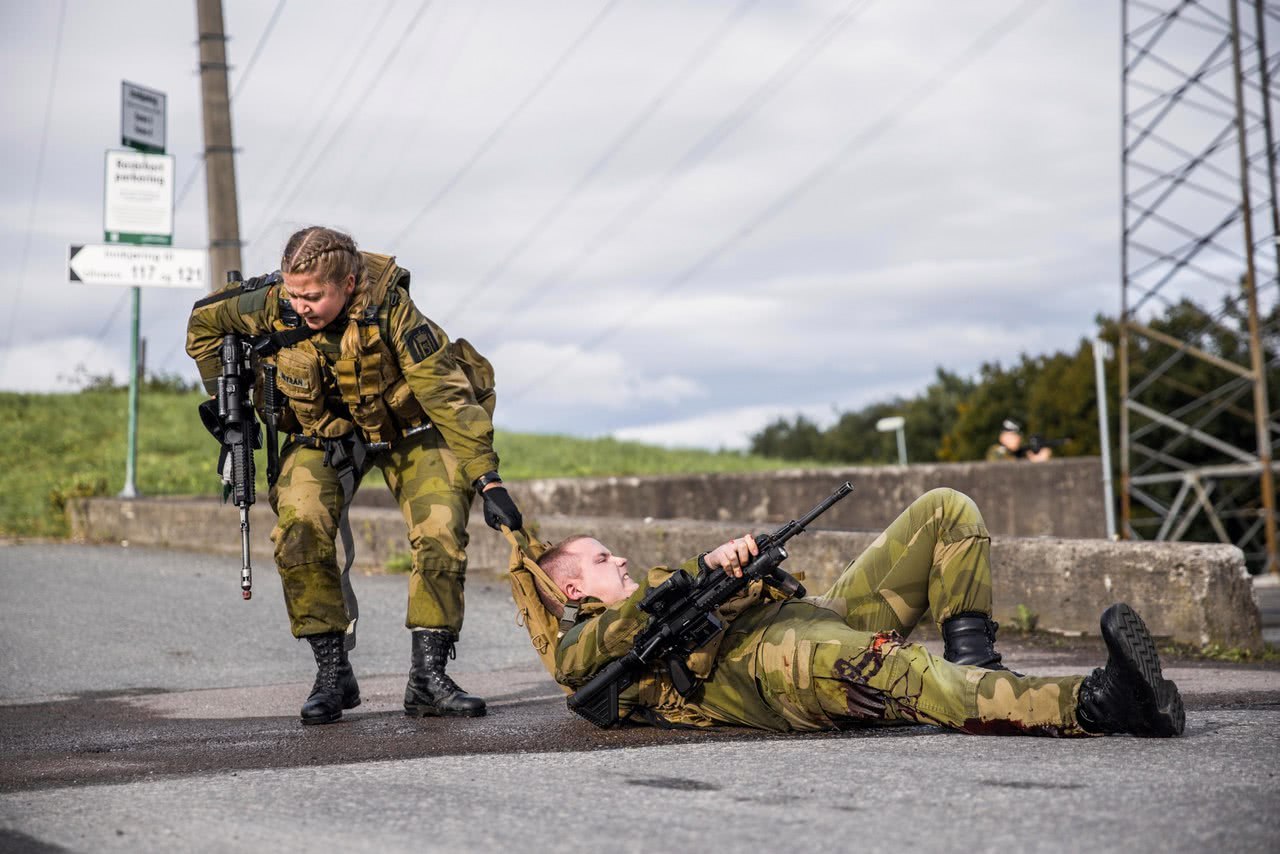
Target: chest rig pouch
column 373, row 391
column 370, row 383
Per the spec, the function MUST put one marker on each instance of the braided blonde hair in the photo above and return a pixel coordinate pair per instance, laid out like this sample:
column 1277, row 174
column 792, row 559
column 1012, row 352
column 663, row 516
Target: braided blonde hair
column 331, row 256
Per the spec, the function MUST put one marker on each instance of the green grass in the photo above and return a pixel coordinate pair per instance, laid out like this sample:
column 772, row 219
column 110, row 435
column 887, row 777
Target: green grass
column 526, row 455
column 56, row 446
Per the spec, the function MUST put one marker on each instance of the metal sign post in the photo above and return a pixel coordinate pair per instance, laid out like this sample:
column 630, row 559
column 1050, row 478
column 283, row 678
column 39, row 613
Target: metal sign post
column 151, row 266
column 137, row 209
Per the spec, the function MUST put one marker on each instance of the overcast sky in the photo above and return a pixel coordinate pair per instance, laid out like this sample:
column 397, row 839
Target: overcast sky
column 661, row 220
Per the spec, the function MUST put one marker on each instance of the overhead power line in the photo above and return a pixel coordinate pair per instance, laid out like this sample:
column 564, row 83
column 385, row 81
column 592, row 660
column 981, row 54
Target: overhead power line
column 936, row 81
column 419, row 121
column 497, row 132
column 300, row 180
column 701, row 54
column 699, row 151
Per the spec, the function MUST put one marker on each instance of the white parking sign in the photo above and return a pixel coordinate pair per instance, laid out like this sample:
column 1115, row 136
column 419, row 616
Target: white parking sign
column 139, row 198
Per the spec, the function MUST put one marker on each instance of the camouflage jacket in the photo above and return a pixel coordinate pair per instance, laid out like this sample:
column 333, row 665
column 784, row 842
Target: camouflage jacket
column 415, row 369
column 998, row 453
column 743, row 680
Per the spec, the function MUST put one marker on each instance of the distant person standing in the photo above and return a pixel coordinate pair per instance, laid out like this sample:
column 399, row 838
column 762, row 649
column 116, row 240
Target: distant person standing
column 367, row 380
column 1009, row 447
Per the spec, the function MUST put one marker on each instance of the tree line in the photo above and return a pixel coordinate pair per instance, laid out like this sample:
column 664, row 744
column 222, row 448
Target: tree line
column 957, row 418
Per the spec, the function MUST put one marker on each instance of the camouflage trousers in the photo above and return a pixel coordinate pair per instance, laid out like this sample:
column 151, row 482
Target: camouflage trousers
column 843, row 657
column 435, row 498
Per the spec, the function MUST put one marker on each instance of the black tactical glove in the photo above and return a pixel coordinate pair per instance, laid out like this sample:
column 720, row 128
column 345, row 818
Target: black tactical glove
column 499, row 509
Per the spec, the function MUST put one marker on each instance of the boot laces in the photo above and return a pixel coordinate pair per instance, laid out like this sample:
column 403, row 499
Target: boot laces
column 439, row 650
column 328, row 662
column 1105, row 700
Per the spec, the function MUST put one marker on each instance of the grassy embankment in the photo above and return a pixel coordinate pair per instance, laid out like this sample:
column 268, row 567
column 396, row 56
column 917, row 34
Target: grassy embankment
column 57, row 446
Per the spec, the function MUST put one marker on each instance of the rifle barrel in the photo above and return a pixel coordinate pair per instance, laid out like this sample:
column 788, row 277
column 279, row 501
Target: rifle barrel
column 804, row 521
column 246, row 571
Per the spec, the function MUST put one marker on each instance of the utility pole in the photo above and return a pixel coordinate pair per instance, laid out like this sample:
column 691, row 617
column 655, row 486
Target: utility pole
column 219, row 159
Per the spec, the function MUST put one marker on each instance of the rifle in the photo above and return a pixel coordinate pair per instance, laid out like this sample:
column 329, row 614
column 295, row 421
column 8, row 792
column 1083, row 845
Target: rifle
column 682, row 618
column 231, row 418
column 240, row 437
column 1036, row 442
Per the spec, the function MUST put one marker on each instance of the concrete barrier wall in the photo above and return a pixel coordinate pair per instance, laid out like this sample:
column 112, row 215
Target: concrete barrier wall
column 1061, row 498
column 1190, row 592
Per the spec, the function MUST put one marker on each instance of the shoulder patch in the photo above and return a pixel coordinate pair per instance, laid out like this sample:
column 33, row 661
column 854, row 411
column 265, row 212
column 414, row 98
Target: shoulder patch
column 421, row 342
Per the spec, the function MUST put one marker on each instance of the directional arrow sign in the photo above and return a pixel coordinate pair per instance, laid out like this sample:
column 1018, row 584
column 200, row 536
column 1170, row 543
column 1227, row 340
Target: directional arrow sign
column 122, row 264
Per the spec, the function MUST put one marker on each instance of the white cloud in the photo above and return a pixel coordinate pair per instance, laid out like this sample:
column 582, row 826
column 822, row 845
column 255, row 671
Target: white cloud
column 60, row 364
column 982, row 223
column 548, row 375
column 723, row 428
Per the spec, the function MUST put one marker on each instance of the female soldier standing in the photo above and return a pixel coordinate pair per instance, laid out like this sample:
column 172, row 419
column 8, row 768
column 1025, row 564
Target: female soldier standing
column 367, row 380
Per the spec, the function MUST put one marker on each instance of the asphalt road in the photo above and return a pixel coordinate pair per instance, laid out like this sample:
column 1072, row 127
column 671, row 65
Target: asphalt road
column 145, row 707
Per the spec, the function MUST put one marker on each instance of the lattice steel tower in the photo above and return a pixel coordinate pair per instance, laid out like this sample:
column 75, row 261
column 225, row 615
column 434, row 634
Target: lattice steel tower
column 1200, row 327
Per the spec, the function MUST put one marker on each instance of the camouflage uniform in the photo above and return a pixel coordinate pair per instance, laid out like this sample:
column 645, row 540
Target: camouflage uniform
column 407, row 371
column 842, row 658
column 998, row 453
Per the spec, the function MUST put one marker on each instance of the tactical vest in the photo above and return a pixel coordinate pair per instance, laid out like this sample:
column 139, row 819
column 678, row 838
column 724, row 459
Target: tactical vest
column 369, row 382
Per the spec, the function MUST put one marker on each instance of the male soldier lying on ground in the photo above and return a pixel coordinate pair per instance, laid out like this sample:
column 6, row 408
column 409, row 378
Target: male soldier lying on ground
column 842, row 658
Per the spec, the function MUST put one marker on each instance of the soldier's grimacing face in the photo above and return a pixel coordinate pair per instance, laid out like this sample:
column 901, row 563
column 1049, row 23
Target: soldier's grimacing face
column 603, row 574
column 317, row 302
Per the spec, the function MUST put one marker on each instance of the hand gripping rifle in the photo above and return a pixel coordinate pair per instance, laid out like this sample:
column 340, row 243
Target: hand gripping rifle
column 682, row 617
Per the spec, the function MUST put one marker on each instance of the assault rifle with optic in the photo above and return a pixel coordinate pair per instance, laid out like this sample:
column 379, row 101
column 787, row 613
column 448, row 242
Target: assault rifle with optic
column 231, row 418
column 682, row 617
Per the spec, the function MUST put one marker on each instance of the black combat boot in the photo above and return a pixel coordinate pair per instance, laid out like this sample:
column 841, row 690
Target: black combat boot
column 335, row 688
column 969, row 638
column 430, row 691
column 1129, row 694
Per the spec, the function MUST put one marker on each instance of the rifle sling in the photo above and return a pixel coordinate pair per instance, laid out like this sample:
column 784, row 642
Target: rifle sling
column 269, row 345
column 219, row 296
column 248, row 285
column 350, row 470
